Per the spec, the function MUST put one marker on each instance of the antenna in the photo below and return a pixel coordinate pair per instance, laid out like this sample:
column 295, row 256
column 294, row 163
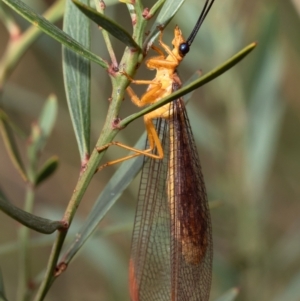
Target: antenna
column 184, row 48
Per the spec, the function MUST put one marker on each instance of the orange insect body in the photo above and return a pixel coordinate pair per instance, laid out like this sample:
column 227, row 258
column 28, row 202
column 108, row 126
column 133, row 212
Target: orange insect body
column 159, row 87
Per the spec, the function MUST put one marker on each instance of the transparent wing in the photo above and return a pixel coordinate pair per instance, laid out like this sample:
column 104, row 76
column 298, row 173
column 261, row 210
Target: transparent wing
column 171, row 255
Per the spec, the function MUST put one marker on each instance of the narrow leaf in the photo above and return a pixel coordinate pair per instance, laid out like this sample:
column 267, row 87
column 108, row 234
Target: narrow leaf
column 29, row 220
column 266, row 113
column 53, row 31
column 47, row 170
column 39, row 135
column 48, row 116
column 11, row 146
column 42, row 129
column 266, row 110
column 77, row 77
column 109, row 25
column 194, row 85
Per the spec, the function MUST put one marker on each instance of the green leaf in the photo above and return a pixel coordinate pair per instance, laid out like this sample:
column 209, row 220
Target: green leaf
column 53, row 31
column 47, row 117
column 265, row 112
column 47, row 170
column 29, row 220
column 168, row 11
column 110, row 194
column 42, row 129
column 109, row 25
column 229, row 296
column 11, row 146
column 2, row 290
column 40, row 132
column 7, row 19
column 266, row 115
column 77, row 78
column 194, row 85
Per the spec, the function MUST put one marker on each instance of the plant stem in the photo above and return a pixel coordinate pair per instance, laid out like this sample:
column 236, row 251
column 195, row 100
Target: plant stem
column 100, row 8
column 24, row 272
column 106, row 136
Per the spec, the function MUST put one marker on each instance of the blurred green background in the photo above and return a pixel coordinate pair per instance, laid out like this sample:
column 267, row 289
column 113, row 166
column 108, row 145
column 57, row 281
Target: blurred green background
column 246, row 124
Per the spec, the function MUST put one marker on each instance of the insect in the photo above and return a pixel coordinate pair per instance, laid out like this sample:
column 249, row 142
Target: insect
column 171, row 253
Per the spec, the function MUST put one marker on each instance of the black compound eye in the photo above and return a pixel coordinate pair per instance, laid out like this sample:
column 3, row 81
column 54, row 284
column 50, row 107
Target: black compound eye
column 184, row 48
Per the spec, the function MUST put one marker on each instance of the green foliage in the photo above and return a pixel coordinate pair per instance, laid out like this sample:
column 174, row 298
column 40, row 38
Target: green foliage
column 112, row 27
column 77, row 77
